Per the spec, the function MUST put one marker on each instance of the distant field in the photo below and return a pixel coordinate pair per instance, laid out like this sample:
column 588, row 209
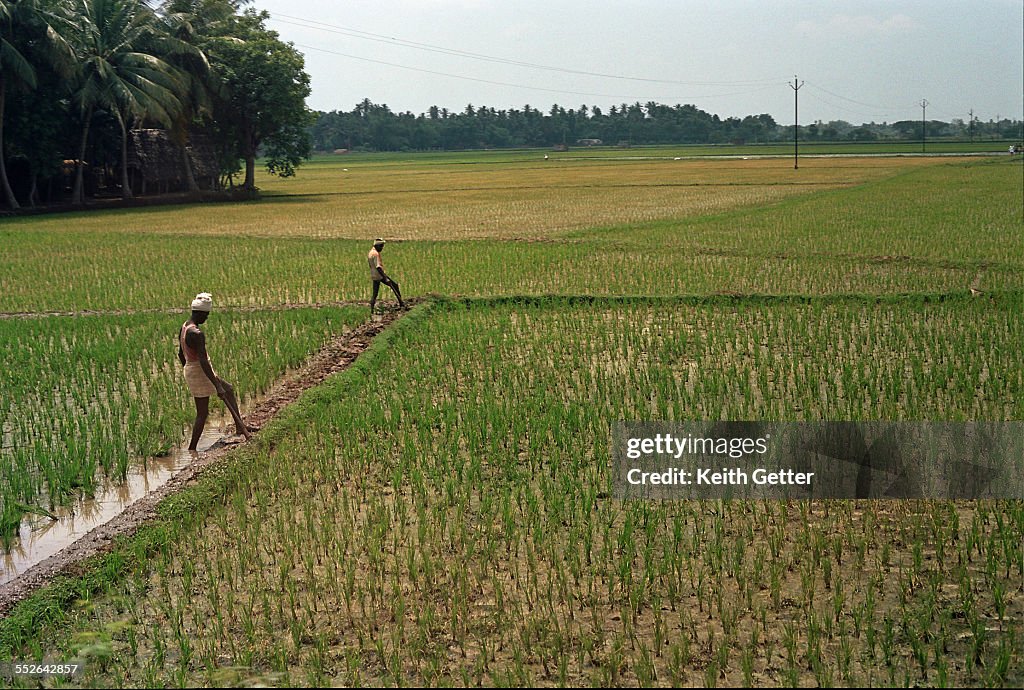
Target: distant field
column 838, row 225
column 522, row 199
column 698, row 150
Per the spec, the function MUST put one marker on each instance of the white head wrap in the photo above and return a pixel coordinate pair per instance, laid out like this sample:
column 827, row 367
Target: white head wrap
column 378, row 242
column 203, row 302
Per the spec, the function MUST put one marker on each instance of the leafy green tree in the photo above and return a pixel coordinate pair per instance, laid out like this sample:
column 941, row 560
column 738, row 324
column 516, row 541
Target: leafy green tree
column 37, row 132
column 263, row 102
column 15, row 69
column 202, row 24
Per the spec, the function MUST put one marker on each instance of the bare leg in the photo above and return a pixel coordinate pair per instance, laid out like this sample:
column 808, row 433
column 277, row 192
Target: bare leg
column 232, row 404
column 376, row 290
column 202, row 412
column 394, row 287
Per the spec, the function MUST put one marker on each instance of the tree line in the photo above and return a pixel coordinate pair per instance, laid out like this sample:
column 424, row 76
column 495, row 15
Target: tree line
column 375, row 127
column 80, row 78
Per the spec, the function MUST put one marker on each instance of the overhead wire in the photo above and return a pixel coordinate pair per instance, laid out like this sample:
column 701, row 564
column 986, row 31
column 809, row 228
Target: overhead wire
column 751, row 85
column 873, row 115
column 528, row 86
column 851, row 100
column 366, row 35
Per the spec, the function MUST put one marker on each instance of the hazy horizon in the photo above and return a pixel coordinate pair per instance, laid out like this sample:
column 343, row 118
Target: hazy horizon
column 858, row 61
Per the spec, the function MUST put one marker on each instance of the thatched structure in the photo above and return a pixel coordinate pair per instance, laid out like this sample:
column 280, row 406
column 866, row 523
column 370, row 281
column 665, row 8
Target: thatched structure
column 157, row 163
column 203, row 153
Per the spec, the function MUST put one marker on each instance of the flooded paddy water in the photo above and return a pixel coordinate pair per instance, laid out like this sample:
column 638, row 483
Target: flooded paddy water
column 41, row 536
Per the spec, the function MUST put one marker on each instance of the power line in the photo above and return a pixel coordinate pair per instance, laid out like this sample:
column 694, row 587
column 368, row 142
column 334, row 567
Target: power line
column 950, row 115
column 380, row 38
column 860, row 113
column 886, row 111
column 851, row 100
column 902, row 111
column 526, row 86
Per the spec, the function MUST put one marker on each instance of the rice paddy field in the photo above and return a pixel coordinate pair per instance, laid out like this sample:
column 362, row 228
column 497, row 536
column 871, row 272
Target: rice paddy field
column 440, row 512
column 85, row 399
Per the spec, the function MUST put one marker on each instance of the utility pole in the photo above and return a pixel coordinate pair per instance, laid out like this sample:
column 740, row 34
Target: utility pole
column 796, row 121
column 970, row 125
column 924, row 104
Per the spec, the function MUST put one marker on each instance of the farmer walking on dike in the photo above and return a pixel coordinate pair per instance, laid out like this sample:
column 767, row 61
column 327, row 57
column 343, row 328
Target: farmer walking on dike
column 378, row 276
column 199, row 375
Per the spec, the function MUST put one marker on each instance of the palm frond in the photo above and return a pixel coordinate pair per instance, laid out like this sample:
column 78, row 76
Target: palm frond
column 15, row 66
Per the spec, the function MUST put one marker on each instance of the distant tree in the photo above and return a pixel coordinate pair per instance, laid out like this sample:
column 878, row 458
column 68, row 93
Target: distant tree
column 650, row 123
column 908, row 129
column 862, row 134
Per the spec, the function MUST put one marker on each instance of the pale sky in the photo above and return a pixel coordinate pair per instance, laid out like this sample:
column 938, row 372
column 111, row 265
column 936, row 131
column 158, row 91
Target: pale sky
column 861, row 61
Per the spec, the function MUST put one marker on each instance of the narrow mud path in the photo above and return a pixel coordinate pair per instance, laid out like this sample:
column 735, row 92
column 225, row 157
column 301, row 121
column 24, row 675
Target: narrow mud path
column 339, row 353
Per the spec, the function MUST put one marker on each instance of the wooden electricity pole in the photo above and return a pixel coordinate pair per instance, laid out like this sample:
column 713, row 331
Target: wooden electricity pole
column 924, row 126
column 796, row 122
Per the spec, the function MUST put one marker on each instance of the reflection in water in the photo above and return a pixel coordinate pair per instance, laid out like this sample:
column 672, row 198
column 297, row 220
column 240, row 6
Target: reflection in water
column 40, row 537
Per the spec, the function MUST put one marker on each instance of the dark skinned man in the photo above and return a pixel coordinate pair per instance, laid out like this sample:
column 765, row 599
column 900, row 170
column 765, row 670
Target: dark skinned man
column 199, row 375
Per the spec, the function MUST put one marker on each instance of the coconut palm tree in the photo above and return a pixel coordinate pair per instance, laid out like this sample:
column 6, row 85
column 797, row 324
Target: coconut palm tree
column 122, row 70
column 195, row 22
column 22, row 21
column 14, row 68
column 204, row 24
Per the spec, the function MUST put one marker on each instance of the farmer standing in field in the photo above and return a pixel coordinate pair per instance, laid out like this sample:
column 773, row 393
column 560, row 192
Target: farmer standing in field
column 378, row 276
column 199, row 375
